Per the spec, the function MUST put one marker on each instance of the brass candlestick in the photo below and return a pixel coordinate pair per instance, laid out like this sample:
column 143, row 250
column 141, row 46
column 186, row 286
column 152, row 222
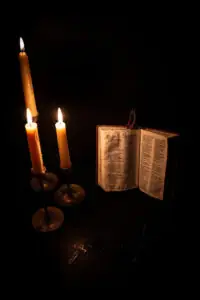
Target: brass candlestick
column 47, row 218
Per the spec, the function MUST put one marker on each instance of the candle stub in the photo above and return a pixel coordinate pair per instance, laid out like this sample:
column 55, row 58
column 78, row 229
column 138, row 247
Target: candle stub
column 27, row 80
column 63, row 148
column 34, row 145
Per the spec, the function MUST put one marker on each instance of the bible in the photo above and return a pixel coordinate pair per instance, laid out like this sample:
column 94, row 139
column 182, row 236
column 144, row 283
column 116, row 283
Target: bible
column 133, row 158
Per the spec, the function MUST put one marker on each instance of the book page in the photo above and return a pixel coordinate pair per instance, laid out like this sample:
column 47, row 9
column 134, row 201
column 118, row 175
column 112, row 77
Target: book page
column 164, row 133
column 118, row 158
column 153, row 161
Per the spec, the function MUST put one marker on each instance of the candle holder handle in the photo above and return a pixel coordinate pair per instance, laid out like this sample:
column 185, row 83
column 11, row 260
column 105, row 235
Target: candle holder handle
column 48, row 218
column 68, row 194
column 41, row 179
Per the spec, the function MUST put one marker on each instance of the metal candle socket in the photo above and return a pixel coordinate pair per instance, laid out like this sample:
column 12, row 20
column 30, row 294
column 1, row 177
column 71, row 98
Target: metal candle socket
column 46, row 181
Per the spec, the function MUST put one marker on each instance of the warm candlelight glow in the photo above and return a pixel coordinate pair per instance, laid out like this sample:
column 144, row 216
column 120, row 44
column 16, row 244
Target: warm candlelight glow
column 21, row 44
column 60, row 115
column 29, row 116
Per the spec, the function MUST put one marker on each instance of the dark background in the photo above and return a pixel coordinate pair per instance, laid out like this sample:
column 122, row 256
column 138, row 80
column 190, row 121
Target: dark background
column 96, row 68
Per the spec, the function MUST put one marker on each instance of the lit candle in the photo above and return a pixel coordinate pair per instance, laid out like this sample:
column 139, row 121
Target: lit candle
column 27, row 80
column 34, row 144
column 65, row 162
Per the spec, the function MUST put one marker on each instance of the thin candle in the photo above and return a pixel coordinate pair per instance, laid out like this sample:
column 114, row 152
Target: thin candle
column 34, row 144
column 65, row 162
column 29, row 96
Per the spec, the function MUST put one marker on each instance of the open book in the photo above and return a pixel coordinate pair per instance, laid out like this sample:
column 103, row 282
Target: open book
column 130, row 158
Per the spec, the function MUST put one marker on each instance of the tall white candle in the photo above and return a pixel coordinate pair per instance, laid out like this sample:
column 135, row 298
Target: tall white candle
column 65, row 162
column 27, row 80
column 34, row 144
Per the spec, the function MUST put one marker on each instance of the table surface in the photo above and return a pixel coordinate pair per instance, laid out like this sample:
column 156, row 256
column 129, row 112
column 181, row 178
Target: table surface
column 128, row 236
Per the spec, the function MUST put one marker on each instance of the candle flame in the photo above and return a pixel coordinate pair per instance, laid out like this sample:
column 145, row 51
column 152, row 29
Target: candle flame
column 29, row 116
column 60, row 115
column 21, row 44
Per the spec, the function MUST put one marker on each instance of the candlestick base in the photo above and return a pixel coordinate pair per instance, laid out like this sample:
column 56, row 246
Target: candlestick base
column 50, row 181
column 69, row 195
column 43, row 224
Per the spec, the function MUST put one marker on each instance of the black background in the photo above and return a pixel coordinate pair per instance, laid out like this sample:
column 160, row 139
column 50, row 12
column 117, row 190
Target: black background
column 96, row 68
